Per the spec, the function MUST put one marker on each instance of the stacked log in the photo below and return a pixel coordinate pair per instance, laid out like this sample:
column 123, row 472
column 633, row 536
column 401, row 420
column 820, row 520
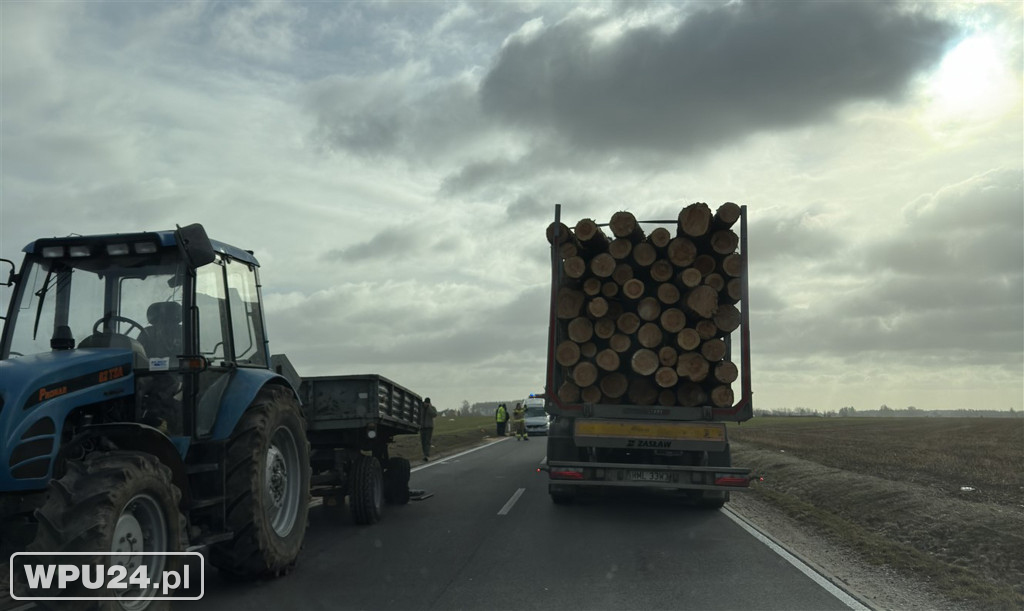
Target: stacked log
column 645, row 317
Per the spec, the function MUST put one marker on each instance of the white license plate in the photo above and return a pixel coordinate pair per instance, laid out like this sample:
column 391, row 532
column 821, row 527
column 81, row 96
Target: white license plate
column 648, row 476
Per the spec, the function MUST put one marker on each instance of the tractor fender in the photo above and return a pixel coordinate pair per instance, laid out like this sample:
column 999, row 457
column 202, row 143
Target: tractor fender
column 238, row 392
column 132, row 437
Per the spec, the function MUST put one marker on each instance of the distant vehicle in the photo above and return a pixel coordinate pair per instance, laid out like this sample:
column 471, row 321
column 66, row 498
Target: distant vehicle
column 537, row 419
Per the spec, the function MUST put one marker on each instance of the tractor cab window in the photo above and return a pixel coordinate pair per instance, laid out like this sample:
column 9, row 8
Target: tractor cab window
column 211, row 301
column 246, row 318
column 92, row 302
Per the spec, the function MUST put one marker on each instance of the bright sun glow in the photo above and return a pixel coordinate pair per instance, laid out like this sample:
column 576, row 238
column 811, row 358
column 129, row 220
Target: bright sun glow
column 969, row 77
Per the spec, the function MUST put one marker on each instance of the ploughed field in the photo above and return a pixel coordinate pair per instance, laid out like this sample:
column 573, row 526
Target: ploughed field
column 938, row 499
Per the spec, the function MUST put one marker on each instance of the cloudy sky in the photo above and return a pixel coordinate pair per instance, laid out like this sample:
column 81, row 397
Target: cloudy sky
column 394, row 166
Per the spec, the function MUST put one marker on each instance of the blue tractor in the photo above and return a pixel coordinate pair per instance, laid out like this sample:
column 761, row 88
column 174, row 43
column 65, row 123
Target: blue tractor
column 139, row 411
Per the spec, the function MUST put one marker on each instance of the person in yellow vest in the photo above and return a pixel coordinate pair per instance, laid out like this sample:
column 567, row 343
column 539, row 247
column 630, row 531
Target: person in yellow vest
column 501, row 418
column 519, row 422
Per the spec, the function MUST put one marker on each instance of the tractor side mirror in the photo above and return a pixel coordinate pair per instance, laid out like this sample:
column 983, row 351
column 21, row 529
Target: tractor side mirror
column 10, row 276
column 195, row 245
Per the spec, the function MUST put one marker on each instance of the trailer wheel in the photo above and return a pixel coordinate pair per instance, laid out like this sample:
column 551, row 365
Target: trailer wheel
column 366, row 493
column 267, row 488
column 396, row 481
column 123, row 502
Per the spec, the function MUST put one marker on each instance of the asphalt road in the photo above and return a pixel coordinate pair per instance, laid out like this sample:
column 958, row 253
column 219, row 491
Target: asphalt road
column 490, row 538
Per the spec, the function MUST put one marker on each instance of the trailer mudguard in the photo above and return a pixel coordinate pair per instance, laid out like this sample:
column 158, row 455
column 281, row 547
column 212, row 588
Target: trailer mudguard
column 236, row 394
column 38, row 392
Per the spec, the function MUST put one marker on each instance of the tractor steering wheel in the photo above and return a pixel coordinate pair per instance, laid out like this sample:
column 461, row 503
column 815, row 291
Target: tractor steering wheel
column 116, row 318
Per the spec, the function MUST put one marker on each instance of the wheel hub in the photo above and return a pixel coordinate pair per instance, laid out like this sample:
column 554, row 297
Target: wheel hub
column 277, row 477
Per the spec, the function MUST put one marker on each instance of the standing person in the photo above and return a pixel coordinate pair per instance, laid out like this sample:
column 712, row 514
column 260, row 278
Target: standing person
column 519, row 422
column 501, row 417
column 427, row 428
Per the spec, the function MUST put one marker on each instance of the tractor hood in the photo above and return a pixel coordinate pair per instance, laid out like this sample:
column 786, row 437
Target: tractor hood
column 37, row 392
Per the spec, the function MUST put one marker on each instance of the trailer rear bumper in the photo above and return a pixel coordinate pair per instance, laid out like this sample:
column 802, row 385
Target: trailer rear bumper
column 648, row 476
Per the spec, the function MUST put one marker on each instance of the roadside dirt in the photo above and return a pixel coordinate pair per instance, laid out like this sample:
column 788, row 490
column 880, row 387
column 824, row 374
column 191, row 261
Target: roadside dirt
column 880, row 588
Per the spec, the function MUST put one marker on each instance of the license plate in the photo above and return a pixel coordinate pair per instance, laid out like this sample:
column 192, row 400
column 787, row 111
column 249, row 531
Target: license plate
column 648, row 476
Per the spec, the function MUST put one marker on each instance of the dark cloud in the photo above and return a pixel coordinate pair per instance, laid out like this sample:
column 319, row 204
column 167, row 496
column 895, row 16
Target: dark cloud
column 721, row 74
column 390, row 243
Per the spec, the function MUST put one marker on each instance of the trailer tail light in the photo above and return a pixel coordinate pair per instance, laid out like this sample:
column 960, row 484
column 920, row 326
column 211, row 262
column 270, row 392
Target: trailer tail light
column 566, row 473
column 722, row 479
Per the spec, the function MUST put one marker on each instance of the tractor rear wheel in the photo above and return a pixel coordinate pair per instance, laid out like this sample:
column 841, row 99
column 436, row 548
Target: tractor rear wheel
column 267, row 470
column 122, row 502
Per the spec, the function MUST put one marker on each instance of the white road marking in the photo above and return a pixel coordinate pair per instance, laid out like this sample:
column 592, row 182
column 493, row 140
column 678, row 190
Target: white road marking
column 447, row 458
column 815, row 576
column 512, row 501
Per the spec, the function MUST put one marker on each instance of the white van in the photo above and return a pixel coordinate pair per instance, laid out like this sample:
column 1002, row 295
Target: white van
column 537, row 420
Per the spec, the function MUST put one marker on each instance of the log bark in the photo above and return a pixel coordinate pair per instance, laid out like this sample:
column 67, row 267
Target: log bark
column 714, row 349
column 614, row 385
column 649, row 308
column 701, row 300
column 580, row 329
column 569, row 303
column 624, row 225
column 649, row 335
column 603, row 265
column 692, row 366
column 666, row 377
column 672, row 320
column 608, row 360
column 644, row 362
column 567, row 353
column 681, row 252
column 695, row 220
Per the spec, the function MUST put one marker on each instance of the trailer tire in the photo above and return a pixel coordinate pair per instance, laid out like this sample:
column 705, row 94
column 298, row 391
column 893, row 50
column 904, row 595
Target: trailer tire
column 366, row 495
column 267, row 488
column 112, row 501
column 396, row 480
